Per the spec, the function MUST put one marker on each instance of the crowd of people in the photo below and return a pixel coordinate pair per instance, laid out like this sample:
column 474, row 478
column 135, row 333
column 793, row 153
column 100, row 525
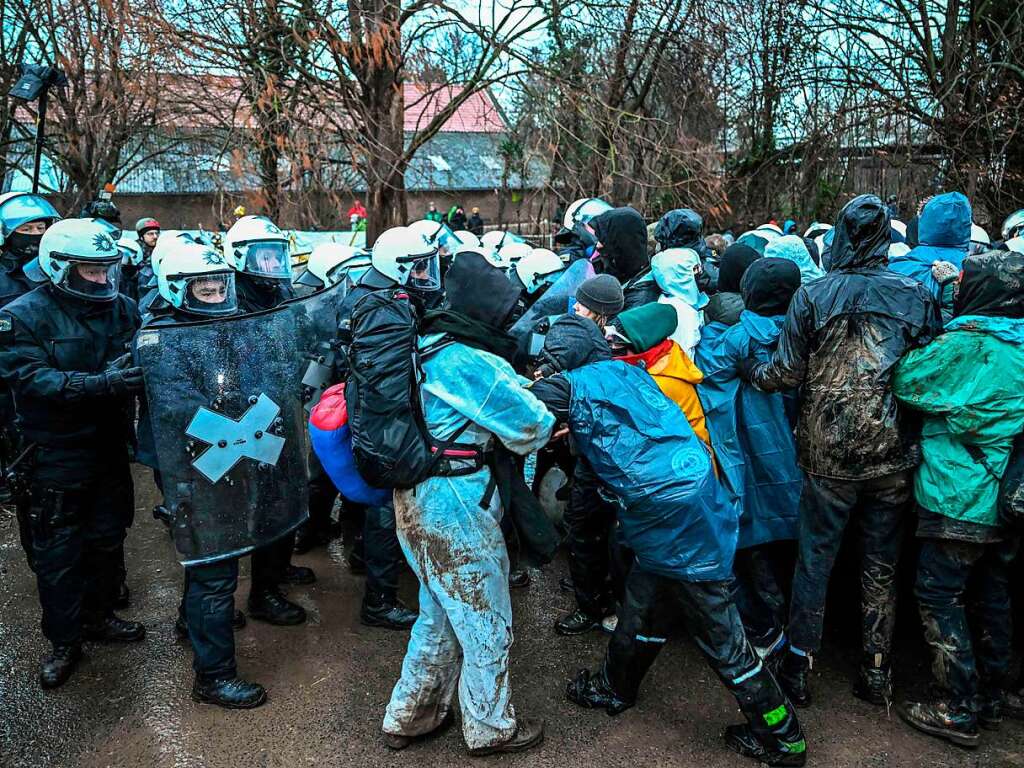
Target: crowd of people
column 706, row 397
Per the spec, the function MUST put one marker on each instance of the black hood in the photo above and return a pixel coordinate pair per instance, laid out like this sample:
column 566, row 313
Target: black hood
column 861, row 234
column 578, row 237
column 572, row 342
column 735, row 261
column 769, row 284
column 623, row 237
column 681, row 228
column 992, row 284
column 478, row 289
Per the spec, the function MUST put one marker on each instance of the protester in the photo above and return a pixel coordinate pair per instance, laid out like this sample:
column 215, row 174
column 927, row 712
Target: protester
column 968, row 433
column 724, row 308
column 433, row 214
column 356, row 214
column 794, row 249
column 456, row 218
column 476, row 223
column 676, row 272
column 621, row 251
column 841, row 340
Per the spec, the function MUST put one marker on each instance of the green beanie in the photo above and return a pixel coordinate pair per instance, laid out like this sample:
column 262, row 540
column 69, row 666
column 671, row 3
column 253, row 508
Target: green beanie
column 648, row 325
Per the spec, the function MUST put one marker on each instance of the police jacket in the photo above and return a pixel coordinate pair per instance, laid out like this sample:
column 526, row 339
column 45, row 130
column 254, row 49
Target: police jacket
column 258, row 294
column 48, row 342
column 842, row 338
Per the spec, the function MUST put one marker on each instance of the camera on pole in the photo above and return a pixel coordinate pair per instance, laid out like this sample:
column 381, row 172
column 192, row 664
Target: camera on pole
column 35, row 83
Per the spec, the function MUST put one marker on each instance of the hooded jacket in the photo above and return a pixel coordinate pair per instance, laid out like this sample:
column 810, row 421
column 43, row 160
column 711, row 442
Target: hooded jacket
column 573, row 341
column 673, row 271
column 750, row 429
column 674, row 514
column 944, row 234
column 792, row 248
column 970, row 384
column 843, row 337
column 623, row 237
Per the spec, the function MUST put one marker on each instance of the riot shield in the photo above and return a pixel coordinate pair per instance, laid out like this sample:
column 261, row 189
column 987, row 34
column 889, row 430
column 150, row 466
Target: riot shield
column 319, row 312
column 555, row 300
column 225, row 400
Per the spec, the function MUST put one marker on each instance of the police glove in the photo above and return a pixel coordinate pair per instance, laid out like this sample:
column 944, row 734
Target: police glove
column 113, row 382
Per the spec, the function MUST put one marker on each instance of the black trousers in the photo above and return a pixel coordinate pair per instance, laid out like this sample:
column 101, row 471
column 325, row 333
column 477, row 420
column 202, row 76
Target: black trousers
column 758, row 595
column 880, row 507
column 958, row 581
column 589, row 519
column 77, row 535
column 209, row 607
column 654, row 605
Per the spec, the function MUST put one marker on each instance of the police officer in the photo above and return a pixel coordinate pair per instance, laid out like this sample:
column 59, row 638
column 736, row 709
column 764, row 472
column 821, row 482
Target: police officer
column 23, row 220
column 196, row 283
column 400, row 256
column 63, row 352
column 258, row 252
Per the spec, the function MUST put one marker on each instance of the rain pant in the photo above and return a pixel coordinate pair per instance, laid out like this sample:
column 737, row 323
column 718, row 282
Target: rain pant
column 792, row 248
column 673, row 272
column 450, row 531
column 750, row 432
column 843, row 337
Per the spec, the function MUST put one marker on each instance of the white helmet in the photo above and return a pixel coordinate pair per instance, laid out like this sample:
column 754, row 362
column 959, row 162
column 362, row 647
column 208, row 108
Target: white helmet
column 439, row 234
column 468, row 238
column 131, row 252
column 1014, row 225
column 497, row 239
column 80, row 257
column 539, row 267
column 1016, row 244
column 816, row 230
column 899, row 226
column 513, row 252
column 583, row 210
column 329, row 263
column 980, row 241
column 768, row 232
column 408, row 258
column 196, row 278
column 256, row 246
column 896, row 250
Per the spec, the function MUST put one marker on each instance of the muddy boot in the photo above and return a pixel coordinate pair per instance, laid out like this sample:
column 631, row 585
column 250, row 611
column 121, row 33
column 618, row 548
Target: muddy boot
column 938, row 719
column 378, row 611
column 58, row 666
column 230, row 693
column 272, row 607
column 529, row 733
column 874, row 683
column 792, row 752
column 793, row 673
column 577, row 623
column 397, row 741
column 595, row 692
column 111, row 629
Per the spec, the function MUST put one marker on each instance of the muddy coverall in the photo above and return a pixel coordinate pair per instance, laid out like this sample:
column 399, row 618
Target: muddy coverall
column 449, row 530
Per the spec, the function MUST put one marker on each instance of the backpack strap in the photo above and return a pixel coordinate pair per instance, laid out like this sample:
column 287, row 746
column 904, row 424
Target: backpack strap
column 979, row 458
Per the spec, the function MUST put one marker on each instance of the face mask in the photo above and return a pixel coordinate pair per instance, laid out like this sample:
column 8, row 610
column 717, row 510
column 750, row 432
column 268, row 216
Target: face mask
column 23, row 247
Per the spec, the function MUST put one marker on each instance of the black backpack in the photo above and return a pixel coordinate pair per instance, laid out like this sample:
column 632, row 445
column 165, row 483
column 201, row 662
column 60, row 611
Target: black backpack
column 1010, row 501
column 390, row 440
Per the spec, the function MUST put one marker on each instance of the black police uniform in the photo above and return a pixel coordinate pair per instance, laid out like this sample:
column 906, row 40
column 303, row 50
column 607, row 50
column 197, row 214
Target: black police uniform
column 55, row 355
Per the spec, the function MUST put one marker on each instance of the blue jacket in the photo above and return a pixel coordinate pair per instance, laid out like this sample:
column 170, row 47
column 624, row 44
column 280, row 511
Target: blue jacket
column 944, row 234
column 675, row 515
column 750, row 431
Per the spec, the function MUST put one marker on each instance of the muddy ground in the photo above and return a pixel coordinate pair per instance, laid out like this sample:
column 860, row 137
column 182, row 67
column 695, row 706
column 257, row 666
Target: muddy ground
column 328, row 682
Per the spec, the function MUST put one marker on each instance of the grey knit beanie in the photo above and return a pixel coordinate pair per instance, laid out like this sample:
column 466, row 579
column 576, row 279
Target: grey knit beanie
column 601, row 294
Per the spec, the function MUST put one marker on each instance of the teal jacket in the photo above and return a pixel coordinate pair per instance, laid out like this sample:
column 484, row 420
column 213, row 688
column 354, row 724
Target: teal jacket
column 969, row 383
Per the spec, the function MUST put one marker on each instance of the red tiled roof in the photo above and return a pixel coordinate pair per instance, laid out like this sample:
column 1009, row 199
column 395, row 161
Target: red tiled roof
column 478, row 114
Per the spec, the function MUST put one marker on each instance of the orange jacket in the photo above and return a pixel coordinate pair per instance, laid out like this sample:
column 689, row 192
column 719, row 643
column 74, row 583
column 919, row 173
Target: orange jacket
column 677, row 377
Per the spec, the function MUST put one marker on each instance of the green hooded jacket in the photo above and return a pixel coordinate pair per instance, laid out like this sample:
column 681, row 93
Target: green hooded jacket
column 969, row 383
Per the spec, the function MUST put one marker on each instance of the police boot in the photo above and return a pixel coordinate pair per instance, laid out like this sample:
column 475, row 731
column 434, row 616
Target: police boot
column 272, row 607
column 941, row 720
column 793, row 673
column 112, row 629
column 298, row 574
column 595, row 692
column 791, row 751
column 577, row 623
column 229, row 692
column 379, row 611
column 874, row 683
column 58, row 666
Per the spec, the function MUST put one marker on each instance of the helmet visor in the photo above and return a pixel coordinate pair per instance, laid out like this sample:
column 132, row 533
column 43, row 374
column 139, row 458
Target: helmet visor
column 424, row 272
column 92, row 280
column 23, row 209
column 210, row 294
column 351, row 270
column 266, row 258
